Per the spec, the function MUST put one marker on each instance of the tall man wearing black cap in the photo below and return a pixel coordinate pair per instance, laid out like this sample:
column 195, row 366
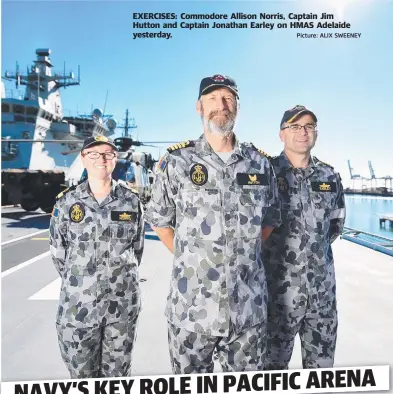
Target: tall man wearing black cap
column 220, row 196
column 298, row 255
column 96, row 242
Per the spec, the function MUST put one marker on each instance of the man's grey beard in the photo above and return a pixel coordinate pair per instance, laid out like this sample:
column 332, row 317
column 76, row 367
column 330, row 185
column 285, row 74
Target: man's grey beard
column 223, row 129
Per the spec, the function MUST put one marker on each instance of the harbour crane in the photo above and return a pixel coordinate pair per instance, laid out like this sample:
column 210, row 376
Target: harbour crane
column 353, row 176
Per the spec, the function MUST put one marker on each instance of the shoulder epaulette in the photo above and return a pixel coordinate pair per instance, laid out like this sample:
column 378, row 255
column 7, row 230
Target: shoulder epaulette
column 322, row 162
column 180, row 145
column 264, row 153
column 261, row 151
column 127, row 186
column 65, row 191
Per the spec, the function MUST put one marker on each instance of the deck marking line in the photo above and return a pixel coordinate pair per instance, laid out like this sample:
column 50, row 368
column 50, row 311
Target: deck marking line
column 23, row 237
column 48, row 292
column 25, row 264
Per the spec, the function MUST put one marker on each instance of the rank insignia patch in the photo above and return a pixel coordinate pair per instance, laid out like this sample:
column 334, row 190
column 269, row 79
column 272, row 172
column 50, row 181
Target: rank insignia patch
column 77, row 212
column 180, row 145
column 324, row 186
column 198, row 174
column 282, row 184
column 123, row 216
column 251, row 179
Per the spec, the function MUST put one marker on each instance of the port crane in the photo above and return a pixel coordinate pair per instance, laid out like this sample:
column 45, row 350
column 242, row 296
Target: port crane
column 354, row 176
column 370, row 184
column 386, row 178
column 372, row 174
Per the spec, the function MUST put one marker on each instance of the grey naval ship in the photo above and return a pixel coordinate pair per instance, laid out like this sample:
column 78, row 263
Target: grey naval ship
column 39, row 143
column 31, row 175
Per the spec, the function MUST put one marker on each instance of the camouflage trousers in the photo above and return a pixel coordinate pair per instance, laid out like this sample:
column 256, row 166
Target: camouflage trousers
column 191, row 352
column 317, row 329
column 98, row 352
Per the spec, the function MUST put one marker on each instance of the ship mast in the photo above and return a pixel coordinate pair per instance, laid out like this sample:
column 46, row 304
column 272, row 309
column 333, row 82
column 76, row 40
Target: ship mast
column 128, row 124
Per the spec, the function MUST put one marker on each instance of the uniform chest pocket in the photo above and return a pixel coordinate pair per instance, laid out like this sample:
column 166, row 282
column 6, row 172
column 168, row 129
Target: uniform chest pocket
column 201, row 213
column 323, row 201
column 251, row 208
column 291, row 217
column 80, row 232
column 121, row 236
column 253, row 196
column 122, row 231
column 80, row 259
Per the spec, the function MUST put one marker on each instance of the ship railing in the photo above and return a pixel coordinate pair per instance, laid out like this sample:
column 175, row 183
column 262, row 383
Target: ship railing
column 369, row 240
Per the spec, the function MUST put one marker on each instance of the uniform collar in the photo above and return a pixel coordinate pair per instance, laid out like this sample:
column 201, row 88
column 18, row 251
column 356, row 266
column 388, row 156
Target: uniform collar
column 203, row 147
column 285, row 164
column 85, row 192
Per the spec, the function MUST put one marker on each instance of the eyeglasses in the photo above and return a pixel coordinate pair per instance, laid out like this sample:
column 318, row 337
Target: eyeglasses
column 295, row 128
column 96, row 155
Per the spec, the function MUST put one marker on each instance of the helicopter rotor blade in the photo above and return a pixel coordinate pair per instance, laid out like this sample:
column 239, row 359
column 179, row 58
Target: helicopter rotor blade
column 160, row 142
column 153, row 146
column 70, row 151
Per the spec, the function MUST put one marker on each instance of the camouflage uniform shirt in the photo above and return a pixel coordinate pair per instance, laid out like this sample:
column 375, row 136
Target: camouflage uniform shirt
column 217, row 211
column 298, row 255
column 96, row 249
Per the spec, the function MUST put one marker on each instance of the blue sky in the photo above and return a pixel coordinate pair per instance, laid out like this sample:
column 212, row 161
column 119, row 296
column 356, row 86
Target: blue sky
column 348, row 83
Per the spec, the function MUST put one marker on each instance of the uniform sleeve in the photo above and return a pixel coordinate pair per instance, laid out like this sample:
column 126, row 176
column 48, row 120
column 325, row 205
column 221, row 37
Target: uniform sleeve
column 139, row 240
column 161, row 209
column 272, row 216
column 58, row 238
column 338, row 214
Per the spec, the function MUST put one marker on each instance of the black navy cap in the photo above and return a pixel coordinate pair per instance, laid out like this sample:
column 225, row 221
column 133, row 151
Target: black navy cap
column 293, row 113
column 97, row 140
column 208, row 84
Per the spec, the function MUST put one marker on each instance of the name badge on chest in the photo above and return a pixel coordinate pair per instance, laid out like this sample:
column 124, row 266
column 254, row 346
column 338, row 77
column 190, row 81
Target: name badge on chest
column 123, row 216
column 251, row 179
column 324, row 187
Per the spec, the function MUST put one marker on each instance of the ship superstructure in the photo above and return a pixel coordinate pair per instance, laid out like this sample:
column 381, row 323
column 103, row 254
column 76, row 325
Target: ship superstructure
column 38, row 139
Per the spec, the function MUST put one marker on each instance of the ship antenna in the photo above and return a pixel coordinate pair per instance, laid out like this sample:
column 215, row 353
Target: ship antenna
column 64, row 74
column 38, row 84
column 106, row 98
column 126, row 124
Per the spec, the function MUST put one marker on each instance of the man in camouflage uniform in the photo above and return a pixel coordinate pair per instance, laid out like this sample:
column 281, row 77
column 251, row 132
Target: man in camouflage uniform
column 298, row 255
column 212, row 199
column 96, row 242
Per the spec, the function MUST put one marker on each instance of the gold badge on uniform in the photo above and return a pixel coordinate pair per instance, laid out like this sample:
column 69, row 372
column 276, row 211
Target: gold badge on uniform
column 324, row 187
column 124, row 216
column 282, row 184
column 77, row 212
column 198, row 174
column 101, row 138
column 253, row 179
